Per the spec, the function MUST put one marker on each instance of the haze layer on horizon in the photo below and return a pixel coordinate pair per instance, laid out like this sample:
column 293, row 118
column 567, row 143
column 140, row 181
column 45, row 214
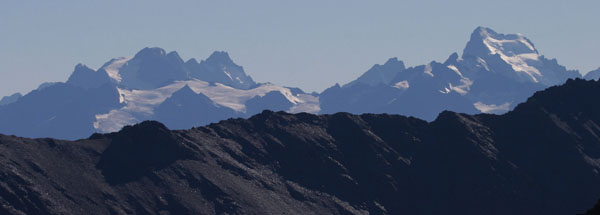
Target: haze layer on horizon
column 308, row 44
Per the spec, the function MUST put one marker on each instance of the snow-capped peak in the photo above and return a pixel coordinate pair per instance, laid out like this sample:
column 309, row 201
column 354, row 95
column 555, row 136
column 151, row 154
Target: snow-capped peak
column 515, row 50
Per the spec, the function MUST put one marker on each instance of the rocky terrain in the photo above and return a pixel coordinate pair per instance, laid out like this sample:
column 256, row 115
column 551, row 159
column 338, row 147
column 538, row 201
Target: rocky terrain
column 541, row 158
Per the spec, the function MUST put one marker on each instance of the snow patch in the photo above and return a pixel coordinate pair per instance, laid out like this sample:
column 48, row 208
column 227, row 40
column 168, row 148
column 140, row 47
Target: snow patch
column 402, row 85
column 462, row 89
column 483, row 63
column 140, row 104
column 453, row 68
column 428, row 70
column 227, row 73
column 515, row 52
column 113, row 68
column 492, row 108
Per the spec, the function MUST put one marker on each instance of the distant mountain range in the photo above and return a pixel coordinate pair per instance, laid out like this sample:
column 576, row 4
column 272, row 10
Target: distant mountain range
column 151, row 85
column 541, row 158
column 494, row 73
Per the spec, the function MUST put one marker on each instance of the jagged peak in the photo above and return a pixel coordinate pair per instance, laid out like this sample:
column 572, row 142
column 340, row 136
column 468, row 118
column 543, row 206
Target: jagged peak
column 154, row 51
column 394, row 60
column 82, row 67
column 486, row 41
column 220, row 57
column 452, row 59
column 175, row 56
column 157, row 52
column 85, row 77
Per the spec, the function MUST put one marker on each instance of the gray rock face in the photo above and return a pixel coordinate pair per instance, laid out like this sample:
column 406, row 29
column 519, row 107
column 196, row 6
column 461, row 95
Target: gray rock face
column 537, row 159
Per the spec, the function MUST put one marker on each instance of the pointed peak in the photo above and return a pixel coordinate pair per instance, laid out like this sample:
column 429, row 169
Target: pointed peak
column 173, row 54
column 154, row 51
column 82, row 68
column 452, row 59
column 85, row 77
column 485, row 41
column 394, row 61
column 483, row 32
column 219, row 57
column 187, row 93
column 185, row 90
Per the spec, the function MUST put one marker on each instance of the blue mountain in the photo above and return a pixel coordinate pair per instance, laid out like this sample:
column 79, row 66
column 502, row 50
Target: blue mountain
column 495, row 72
column 593, row 75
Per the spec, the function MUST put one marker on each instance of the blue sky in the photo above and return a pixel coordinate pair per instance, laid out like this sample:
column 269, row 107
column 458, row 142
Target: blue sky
column 310, row 44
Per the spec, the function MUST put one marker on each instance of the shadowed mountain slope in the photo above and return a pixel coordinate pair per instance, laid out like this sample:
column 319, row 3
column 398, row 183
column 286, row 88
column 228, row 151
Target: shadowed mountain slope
column 541, row 158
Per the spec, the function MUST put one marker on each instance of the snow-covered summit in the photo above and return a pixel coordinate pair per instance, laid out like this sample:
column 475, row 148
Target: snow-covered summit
column 495, row 72
column 513, row 56
column 497, row 43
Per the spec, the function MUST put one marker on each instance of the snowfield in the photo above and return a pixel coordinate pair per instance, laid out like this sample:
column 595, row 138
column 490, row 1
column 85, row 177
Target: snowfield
column 139, row 104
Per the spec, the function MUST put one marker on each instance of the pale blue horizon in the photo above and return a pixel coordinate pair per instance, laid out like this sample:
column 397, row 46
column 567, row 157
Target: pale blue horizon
column 308, row 44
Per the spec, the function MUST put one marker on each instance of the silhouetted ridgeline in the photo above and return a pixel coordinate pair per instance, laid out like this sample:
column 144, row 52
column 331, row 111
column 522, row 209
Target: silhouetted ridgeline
column 541, row 158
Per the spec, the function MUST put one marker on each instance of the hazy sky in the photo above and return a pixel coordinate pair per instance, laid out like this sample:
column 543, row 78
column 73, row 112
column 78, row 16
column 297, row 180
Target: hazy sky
column 310, row 44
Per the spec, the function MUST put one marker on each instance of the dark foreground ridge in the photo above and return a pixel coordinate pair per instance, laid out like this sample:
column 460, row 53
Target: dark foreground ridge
column 541, row 158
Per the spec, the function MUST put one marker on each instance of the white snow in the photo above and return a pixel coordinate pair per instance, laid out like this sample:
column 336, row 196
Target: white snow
column 483, row 63
column 463, row 88
column 453, row 68
column 516, row 52
column 139, row 104
column 227, row 73
column 114, row 120
column 308, row 104
column 492, row 108
column 402, row 85
column 113, row 68
column 428, row 70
